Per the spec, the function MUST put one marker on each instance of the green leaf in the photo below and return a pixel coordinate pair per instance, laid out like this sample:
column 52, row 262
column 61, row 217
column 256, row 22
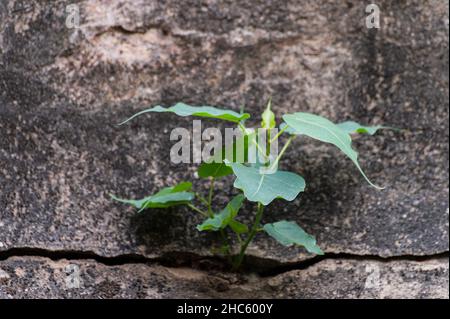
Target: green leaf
column 166, row 197
column 352, row 127
column 222, row 219
column 268, row 117
column 181, row 187
column 238, row 227
column 289, row 233
column 238, row 151
column 264, row 188
column 215, row 170
column 326, row 131
column 182, row 109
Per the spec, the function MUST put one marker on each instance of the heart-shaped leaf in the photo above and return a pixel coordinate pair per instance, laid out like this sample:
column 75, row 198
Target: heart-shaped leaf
column 264, row 188
column 352, row 127
column 215, row 170
column 324, row 130
column 166, row 197
column 182, row 109
column 223, row 219
column 289, row 233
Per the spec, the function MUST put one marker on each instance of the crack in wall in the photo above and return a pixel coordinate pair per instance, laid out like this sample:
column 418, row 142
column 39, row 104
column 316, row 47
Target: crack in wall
column 302, row 265
column 56, row 255
column 261, row 266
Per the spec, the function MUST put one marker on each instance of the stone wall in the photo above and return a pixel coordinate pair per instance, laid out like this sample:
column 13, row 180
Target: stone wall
column 62, row 91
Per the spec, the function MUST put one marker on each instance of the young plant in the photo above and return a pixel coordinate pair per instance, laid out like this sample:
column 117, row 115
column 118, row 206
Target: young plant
column 257, row 185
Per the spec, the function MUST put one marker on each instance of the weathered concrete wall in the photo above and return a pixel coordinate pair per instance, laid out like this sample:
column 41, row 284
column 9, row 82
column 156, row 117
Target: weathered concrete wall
column 63, row 90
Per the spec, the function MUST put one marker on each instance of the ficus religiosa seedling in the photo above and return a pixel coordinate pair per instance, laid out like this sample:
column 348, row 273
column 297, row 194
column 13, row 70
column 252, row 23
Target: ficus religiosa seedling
column 255, row 168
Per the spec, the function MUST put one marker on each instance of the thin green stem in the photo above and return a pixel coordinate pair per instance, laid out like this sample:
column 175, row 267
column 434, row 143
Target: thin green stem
column 226, row 244
column 198, row 210
column 210, row 213
column 279, row 134
column 202, row 199
column 244, row 129
column 210, row 196
column 250, row 237
column 239, row 238
column 283, row 150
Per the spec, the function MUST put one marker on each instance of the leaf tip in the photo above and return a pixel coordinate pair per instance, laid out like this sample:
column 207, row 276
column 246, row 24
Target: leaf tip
column 318, row 251
column 374, row 185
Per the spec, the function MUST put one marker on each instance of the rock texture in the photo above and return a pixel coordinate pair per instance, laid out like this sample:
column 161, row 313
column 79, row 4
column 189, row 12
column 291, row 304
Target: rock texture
column 365, row 279
column 62, row 91
column 32, row 277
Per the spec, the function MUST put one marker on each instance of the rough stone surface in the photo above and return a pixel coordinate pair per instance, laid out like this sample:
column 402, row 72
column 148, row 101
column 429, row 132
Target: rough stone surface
column 365, row 279
column 63, row 90
column 32, row 277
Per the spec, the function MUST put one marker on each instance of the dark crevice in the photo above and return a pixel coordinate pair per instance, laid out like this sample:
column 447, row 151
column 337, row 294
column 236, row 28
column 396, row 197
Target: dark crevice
column 170, row 259
column 261, row 266
column 279, row 268
column 163, row 29
column 74, row 255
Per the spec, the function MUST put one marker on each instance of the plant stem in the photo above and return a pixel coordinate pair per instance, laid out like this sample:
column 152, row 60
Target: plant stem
column 250, row 237
column 210, row 213
column 210, row 196
column 283, row 150
column 226, row 244
column 198, row 210
column 244, row 129
column 279, row 134
column 239, row 238
column 202, row 199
